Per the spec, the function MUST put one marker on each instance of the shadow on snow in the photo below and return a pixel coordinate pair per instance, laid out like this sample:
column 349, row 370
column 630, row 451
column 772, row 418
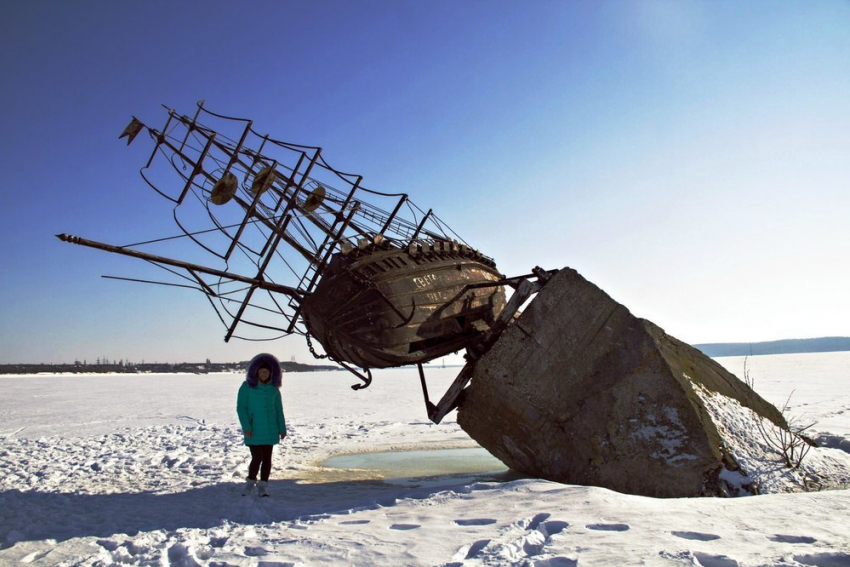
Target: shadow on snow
column 33, row 515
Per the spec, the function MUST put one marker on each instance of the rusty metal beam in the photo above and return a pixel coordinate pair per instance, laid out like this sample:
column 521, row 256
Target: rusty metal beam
column 286, row 290
column 196, row 169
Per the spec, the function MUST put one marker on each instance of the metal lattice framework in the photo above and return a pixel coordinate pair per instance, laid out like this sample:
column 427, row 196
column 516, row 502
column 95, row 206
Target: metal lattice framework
column 270, row 209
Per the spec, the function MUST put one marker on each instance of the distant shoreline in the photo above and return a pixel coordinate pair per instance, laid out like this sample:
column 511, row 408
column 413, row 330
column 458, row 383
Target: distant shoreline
column 184, row 369
column 787, row 346
column 152, row 368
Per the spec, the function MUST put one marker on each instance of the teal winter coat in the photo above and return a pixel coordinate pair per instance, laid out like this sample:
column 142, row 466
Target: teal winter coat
column 260, row 410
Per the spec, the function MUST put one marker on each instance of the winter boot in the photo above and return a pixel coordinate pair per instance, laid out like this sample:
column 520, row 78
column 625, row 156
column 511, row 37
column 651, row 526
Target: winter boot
column 262, row 488
column 249, row 487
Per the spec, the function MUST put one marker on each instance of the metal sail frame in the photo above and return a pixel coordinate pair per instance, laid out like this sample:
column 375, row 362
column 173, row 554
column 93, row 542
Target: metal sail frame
column 286, row 194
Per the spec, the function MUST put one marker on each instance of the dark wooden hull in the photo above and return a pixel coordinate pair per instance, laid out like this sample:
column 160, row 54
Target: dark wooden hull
column 392, row 307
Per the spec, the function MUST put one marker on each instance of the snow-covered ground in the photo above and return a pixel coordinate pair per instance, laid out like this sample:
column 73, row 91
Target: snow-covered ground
column 100, row 470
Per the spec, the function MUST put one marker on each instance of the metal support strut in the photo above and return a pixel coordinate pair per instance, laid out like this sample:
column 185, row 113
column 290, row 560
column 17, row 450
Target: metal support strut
column 525, row 288
column 428, row 405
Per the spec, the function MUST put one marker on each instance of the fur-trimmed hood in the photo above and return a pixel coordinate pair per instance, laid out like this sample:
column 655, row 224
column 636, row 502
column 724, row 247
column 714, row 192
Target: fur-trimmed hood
column 251, row 375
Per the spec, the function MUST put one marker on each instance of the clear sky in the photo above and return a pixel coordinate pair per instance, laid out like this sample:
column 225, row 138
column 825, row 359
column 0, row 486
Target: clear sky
column 691, row 159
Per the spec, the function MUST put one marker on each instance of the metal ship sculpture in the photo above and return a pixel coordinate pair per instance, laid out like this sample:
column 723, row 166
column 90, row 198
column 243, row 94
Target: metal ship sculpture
column 298, row 247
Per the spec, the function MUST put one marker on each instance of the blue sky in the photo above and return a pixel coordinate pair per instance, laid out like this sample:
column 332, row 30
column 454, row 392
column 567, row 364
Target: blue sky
column 688, row 158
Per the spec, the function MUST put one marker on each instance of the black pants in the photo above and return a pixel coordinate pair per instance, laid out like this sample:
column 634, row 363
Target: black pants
column 261, row 455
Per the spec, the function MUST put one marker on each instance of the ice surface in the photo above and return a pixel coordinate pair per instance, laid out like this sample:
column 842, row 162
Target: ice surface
column 422, row 463
column 818, row 383
column 102, row 470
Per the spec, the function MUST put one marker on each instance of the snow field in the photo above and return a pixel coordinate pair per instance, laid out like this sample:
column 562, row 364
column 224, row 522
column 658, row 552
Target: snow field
column 154, row 479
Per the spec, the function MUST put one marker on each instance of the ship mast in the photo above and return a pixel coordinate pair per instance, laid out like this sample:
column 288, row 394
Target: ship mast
column 286, row 196
column 280, row 196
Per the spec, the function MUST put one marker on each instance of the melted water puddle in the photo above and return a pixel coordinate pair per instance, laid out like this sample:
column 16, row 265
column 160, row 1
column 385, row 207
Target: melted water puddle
column 408, row 465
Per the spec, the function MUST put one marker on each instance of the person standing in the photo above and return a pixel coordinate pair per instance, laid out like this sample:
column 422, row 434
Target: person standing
column 260, row 412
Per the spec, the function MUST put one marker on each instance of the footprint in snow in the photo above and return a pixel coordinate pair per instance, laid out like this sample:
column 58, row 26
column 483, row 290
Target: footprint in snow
column 538, row 535
column 608, row 527
column 547, row 527
column 404, row 526
column 779, row 538
column 34, row 556
column 521, row 541
column 700, row 559
column 256, row 551
column 553, row 527
column 824, row 559
column 696, row 536
column 471, row 551
column 475, row 522
column 556, row 562
column 535, row 521
column 708, row 560
column 108, row 544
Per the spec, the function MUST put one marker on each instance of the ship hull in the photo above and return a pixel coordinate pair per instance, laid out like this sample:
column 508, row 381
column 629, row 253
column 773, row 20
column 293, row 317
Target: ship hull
column 392, row 307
